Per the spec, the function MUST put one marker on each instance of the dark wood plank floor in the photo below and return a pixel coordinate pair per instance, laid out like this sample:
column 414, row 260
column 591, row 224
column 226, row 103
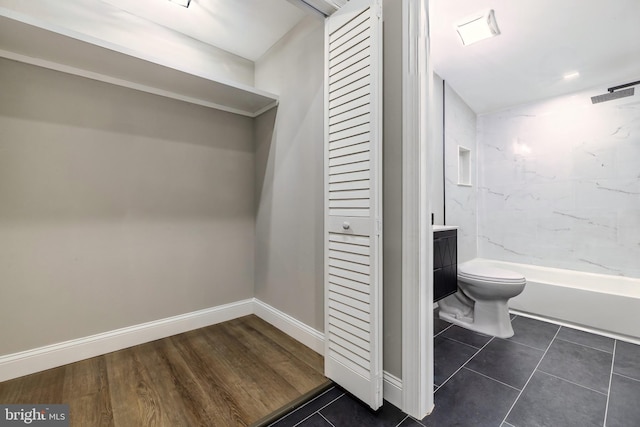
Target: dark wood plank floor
column 230, row 374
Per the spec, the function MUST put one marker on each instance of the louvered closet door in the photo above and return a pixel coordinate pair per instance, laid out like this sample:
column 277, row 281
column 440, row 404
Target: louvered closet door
column 353, row 172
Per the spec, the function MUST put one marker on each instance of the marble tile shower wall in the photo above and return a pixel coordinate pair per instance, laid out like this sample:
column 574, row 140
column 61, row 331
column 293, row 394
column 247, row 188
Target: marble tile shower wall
column 559, row 184
column 460, row 129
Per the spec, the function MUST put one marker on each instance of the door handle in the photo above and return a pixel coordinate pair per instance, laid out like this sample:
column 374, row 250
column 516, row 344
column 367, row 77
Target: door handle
column 346, row 225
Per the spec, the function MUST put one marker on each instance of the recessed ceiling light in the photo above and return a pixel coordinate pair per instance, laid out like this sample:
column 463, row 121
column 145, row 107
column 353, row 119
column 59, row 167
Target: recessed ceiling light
column 184, row 3
column 571, row 75
column 477, row 27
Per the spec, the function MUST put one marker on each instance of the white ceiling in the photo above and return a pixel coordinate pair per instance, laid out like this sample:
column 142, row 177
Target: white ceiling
column 540, row 41
column 247, row 28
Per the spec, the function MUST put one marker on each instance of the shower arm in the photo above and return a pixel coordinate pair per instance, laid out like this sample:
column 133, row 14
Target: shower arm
column 611, row 89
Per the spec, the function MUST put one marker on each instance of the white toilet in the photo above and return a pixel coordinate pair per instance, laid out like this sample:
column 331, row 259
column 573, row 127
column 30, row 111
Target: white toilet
column 481, row 301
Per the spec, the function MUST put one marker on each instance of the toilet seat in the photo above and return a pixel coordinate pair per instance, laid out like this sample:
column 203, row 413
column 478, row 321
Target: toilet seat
column 489, row 274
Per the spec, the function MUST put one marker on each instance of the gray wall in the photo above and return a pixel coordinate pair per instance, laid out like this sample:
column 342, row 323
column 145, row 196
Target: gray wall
column 289, row 181
column 117, row 207
column 392, row 187
column 125, row 207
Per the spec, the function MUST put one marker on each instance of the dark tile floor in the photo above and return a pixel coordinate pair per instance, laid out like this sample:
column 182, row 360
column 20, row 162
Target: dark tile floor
column 545, row 375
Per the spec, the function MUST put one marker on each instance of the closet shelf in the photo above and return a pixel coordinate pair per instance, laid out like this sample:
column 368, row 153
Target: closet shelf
column 34, row 42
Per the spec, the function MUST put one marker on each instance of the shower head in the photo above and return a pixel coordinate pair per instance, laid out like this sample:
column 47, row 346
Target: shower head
column 614, row 93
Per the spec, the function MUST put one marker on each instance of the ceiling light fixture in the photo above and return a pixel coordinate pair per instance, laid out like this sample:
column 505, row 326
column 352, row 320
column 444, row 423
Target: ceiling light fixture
column 571, row 75
column 477, row 27
column 183, row 3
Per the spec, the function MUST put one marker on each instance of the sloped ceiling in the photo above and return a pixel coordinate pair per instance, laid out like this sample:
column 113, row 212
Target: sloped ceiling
column 540, row 41
column 247, row 28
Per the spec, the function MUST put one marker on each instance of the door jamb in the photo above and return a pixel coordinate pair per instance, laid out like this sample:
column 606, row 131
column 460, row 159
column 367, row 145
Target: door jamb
column 417, row 233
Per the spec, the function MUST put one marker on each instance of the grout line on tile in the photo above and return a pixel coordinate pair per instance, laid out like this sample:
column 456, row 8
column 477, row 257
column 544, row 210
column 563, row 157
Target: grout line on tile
column 584, row 345
column 460, row 342
column 493, row 379
column 613, row 361
column 463, row 365
column 306, row 418
column 299, row 408
column 398, row 425
column 450, row 325
column 627, row 377
column 571, row 382
column 418, row 421
column 319, row 396
column 318, row 411
column 409, row 417
column 504, row 420
column 325, row 418
column 528, row 346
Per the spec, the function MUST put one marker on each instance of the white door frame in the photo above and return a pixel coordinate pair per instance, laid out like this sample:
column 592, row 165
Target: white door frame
column 417, row 232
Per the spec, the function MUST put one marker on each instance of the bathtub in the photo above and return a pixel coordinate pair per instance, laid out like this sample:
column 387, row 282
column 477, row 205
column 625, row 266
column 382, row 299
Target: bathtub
column 607, row 305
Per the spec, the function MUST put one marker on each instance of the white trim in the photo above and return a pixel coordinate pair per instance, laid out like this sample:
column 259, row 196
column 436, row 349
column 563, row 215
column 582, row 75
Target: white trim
column 392, row 389
column 299, row 331
column 594, row 331
column 51, row 356
column 417, row 235
column 264, row 109
column 314, row 339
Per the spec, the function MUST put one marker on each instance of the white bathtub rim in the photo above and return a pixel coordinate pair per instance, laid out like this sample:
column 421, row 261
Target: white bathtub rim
column 618, row 285
column 595, row 331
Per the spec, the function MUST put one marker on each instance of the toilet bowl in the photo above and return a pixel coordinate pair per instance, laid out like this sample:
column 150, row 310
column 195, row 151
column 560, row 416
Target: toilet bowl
column 481, row 303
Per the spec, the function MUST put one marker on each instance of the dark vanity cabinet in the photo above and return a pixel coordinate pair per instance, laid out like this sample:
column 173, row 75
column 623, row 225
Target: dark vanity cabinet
column 445, row 263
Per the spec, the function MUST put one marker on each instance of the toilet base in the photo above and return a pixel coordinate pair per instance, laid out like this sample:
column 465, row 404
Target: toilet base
column 487, row 317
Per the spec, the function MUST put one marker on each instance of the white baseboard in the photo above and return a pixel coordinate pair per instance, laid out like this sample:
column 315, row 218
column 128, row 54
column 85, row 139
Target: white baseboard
column 392, row 389
column 299, row 331
column 314, row 339
column 51, row 356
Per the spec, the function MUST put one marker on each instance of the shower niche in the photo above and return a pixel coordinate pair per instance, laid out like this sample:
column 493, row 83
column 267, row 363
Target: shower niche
column 464, row 166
